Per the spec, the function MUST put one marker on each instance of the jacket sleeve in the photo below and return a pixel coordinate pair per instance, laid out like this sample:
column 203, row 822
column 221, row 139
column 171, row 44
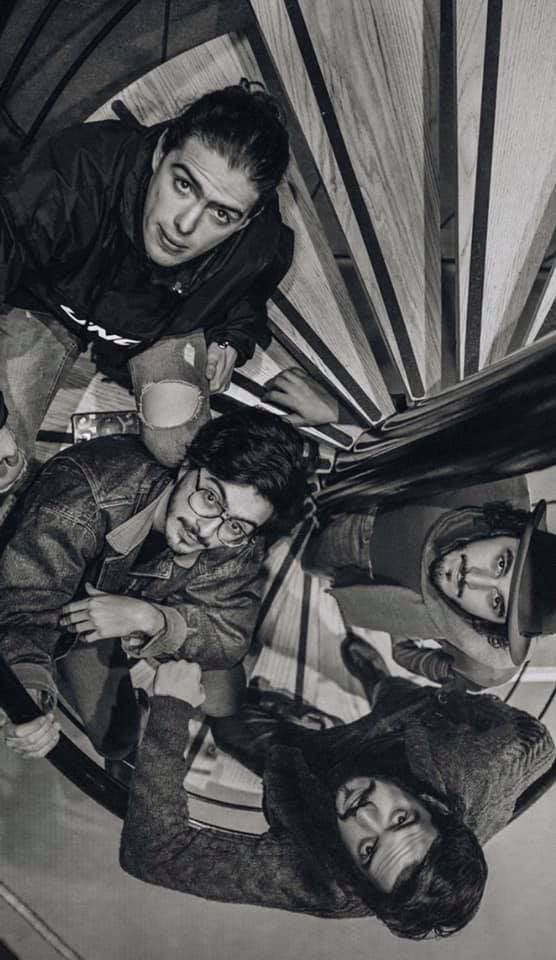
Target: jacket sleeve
column 424, row 661
column 214, row 626
column 41, row 569
column 484, row 751
column 44, row 209
column 246, row 322
column 160, row 846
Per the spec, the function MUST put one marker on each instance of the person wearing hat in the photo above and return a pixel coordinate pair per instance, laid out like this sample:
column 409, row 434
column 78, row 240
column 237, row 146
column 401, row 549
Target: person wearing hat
column 385, row 816
column 109, row 544
column 123, row 236
column 504, row 582
column 423, row 571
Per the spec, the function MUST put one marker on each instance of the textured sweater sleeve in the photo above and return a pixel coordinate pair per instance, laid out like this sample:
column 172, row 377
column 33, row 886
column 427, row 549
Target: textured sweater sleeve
column 160, row 846
column 484, row 751
column 424, row 661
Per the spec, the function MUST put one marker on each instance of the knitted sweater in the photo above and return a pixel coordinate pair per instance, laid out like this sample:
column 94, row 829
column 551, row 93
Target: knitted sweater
column 474, row 747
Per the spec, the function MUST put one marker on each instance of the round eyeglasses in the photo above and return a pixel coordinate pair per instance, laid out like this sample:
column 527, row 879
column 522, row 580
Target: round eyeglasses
column 231, row 531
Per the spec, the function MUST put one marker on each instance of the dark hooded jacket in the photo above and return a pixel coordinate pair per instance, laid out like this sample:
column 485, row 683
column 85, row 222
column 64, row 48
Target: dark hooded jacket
column 476, row 751
column 71, row 243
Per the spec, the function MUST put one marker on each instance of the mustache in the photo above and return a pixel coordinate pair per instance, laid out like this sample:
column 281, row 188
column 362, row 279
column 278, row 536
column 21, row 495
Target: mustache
column 437, row 573
column 192, row 532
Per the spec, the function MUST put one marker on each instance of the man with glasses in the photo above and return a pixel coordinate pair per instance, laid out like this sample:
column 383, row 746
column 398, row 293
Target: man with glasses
column 113, row 556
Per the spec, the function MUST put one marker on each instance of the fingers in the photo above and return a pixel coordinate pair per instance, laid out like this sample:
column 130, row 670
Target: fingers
column 70, row 619
column 279, row 398
column 220, row 366
column 75, row 607
column 83, row 624
column 213, row 358
column 33, row 739
column 283, row 388
column 286, row 378
column 297, row 420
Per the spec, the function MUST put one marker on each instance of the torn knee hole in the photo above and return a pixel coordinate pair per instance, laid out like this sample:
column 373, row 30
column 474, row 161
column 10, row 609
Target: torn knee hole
column 169, row 403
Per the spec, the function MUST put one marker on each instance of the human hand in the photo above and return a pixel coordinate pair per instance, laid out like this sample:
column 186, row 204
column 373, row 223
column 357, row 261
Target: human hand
column 101, row 616
column 221, row 361
column 30, row 740
column 180, row 679
column 11, row 459
column 308, row 402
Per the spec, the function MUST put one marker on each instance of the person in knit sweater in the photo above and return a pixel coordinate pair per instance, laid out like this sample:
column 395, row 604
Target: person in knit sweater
column 385, row 816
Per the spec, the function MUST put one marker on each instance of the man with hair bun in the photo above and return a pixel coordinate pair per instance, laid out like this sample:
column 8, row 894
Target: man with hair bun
column 133, row 238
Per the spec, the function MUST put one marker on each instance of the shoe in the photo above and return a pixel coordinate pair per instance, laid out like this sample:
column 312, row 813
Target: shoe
column 363, row 661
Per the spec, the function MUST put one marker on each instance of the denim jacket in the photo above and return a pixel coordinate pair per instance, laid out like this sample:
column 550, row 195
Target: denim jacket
column 85, row 518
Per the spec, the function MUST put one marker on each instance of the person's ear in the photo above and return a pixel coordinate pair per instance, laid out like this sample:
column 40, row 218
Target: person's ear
column 158, row 154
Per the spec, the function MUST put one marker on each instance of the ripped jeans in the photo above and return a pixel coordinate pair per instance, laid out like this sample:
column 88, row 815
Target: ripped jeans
column 172, row 394
column 37, row 353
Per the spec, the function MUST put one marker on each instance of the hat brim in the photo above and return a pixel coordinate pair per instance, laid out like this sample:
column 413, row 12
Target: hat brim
column 520, row 642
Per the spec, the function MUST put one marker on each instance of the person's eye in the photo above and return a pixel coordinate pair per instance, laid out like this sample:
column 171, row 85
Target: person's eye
column 236, row 529
column 222, row 216
column 504, row 562
column 210, row 498
column 401, row 818
column 182, row 185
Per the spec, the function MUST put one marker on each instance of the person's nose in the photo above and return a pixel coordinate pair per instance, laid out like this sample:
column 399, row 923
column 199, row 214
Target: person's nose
column 368, row 818
column 207, row 526
column 477, row 579
column 188, row 217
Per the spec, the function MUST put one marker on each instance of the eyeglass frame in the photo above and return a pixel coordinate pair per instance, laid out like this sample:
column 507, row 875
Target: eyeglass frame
column 225, row 517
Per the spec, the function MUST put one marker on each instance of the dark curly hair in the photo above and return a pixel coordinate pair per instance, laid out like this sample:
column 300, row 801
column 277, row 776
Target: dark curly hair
column 245, row 125
column 501, row 520
column 444, row 892
column 257, row 448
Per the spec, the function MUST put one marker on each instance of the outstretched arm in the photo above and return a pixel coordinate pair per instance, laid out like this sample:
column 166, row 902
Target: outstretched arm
column 246, row 322
column 159, row 844
column 307, row 402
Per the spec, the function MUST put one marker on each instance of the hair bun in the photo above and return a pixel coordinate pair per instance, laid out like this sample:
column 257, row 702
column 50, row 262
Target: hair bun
column 257, row 90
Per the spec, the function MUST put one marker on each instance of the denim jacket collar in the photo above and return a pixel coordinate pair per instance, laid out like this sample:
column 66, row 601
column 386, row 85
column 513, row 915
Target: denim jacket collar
column 131, row 533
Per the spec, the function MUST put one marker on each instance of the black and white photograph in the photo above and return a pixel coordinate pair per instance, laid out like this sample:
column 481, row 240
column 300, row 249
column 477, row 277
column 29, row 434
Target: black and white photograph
column 277, row 479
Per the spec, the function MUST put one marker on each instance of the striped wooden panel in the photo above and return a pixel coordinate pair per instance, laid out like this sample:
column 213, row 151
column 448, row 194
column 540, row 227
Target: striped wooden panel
column 313, row 288
column 470, row 45
column 510, row 139
column 366, row 98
